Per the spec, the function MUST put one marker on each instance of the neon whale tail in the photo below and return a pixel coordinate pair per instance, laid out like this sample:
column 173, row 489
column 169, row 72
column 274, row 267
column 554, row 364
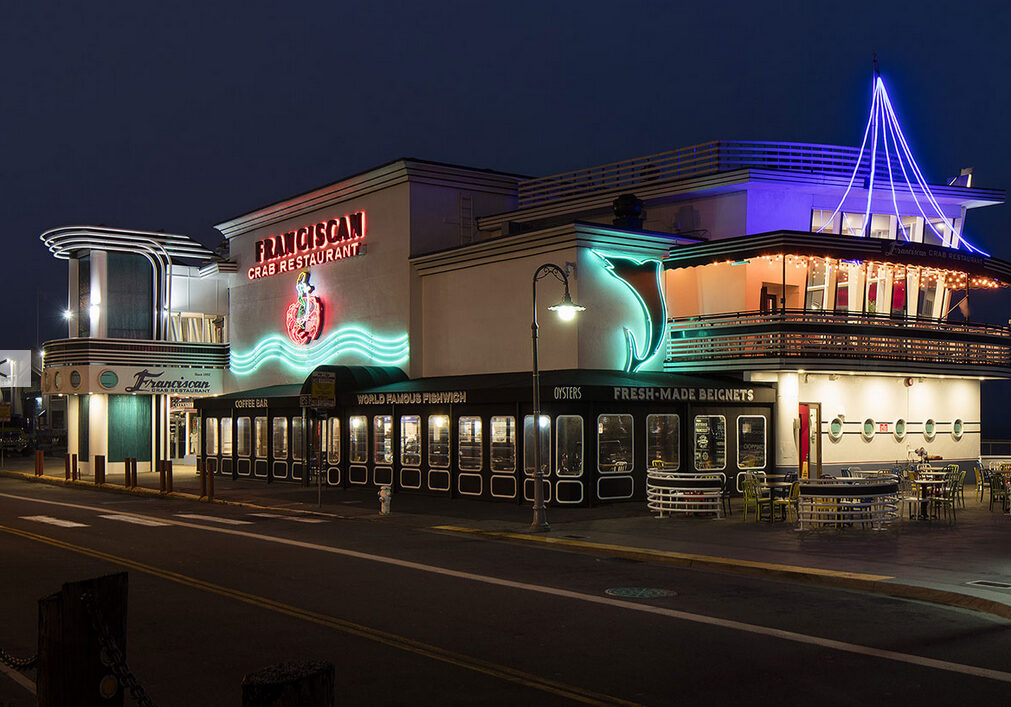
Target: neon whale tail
column 643, row 279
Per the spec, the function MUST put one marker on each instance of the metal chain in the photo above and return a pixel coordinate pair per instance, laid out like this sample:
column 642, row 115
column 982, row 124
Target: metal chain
column 113, row 657
column 18, row 663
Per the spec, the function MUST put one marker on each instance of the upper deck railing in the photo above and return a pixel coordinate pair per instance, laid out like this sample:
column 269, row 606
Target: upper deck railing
column 698, row 160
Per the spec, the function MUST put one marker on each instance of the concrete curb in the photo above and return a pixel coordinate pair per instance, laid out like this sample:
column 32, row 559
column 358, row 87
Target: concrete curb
column 870, row 583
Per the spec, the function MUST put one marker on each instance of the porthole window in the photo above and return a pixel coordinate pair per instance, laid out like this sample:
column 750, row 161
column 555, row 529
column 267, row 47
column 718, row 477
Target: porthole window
column 835, row 429
column 108, row 379
column 868, row 431
column 900, row 429
column 957, row 429
column 75, row 379
column 929, row 429
column 58, row 380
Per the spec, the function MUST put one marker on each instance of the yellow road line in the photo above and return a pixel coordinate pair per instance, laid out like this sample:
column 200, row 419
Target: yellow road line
column 502, row 672
column 681, row 558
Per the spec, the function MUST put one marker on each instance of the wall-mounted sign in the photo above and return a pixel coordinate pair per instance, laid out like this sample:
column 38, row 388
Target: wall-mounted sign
column 319, row 243
column 148, row 380
column 722, row 395
column 304, row 318
column 435, row 398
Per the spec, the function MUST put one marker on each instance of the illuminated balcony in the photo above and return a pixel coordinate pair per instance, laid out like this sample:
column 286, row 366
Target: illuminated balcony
column 813, row 340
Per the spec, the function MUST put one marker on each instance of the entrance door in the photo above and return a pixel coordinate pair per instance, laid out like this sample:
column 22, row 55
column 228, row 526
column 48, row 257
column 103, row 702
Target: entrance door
column 177, row 435
column 809, row 439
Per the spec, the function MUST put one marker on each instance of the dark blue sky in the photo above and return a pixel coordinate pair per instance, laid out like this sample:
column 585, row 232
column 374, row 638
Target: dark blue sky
column 177, row 116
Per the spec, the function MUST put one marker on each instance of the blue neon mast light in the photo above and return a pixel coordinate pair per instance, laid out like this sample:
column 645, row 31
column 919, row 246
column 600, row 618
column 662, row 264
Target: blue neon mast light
column 883, row 121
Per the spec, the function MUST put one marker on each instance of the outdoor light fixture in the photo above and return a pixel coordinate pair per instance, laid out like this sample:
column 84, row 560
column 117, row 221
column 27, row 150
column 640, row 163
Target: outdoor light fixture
column 68, row 314
column 566, row 311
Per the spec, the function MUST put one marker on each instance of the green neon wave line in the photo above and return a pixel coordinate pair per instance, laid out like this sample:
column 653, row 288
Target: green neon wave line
column 380, row 350
column 632, row 349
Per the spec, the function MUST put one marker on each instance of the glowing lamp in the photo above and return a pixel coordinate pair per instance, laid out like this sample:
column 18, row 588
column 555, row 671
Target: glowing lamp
column 67, row 314
column 567, row 308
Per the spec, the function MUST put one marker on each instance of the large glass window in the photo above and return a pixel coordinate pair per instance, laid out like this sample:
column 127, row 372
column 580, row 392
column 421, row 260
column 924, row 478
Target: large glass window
column 569, row 445
column 410, row 440
column 544, row 438
column 876, row 289
column 899, row 290
column 503, row 444
column 926, row 305
column 296, row 438
column 358, row 442
column 883, row 226
column 663, row 442
column 438, row 441
column 260, row 437
column 334, row 440
column 817, row 285
column 280, row 437
column 383, row 430
column 710, row 444
column 852, row 224
column 469, row 443
column 912, row 228
column 822, row 221
column 243, row 436
column 751, row 447
column 211, row 436
column 614, row 443
column 226, row 436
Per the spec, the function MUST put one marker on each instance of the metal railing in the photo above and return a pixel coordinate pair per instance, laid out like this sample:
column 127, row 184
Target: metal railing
column 697, row 160
column 830, row 335
column 133, row 352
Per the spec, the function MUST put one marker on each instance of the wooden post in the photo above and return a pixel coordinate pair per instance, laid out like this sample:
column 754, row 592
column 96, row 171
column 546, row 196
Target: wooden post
column 133, row 472
column 126, row 472
column 75, row 473
column 304, row 684
column 70, row 665
column 66, row 470
column 40, row 457
column 161, row 474
column 99, row 469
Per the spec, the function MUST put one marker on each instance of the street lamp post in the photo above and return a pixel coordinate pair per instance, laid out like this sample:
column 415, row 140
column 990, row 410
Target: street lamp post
column 566, row 311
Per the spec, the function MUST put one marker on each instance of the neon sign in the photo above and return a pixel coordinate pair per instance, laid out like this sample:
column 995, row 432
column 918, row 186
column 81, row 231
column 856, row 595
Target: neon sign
column 304, row 317
column 323, row 242
column 347, row 341
column 642, row 278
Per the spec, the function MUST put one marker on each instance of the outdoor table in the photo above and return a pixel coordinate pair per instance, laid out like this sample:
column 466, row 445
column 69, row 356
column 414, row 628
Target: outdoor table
column 775, row 489
column 923, row 486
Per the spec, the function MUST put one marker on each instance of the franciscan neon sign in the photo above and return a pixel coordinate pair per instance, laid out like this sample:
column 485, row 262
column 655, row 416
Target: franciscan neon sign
column 304, row 317
column 319, row 243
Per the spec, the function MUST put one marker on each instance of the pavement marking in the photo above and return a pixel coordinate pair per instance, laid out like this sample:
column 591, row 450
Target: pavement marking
column 571, row 692
column 18, row 678
column 793, row 636
column 297, row 519
column 137, row 520
column 55, row 521
column 214, row 519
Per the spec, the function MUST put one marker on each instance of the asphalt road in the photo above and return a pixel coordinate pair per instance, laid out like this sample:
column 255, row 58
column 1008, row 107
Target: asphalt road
column 413, row 616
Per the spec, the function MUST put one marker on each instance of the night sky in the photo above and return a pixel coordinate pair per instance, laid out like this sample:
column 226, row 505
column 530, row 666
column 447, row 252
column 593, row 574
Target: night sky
column 177, row 116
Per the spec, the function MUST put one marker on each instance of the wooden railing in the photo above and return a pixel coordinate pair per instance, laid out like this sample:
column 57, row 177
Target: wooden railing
column 798, row 334
column 707, row 158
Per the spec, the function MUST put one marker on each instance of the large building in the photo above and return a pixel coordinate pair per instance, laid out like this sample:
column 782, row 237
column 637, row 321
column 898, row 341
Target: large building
column 783, row 307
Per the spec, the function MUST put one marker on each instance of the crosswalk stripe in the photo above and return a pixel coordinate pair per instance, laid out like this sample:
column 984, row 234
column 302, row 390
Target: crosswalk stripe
column 296, row 519
column 55, row 521
column 213, row 519
column 137, row 520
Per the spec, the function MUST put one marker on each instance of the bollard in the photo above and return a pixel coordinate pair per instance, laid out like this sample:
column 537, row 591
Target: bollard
column 126, row 472
column 308, row 684
column 203, row 481
column 75, row 473
column 210, row 480
column 168, row 475
column 40, row 457
column 384, row 500
column 133, row 472
column 161, row 474
column 66, row 470
column 99, row 469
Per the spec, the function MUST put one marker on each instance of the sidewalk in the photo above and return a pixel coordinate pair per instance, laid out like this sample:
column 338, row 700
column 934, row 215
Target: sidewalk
column 929, row 561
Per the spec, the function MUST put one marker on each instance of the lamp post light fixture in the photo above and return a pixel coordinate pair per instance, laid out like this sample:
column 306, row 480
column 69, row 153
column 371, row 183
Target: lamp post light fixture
column 567, row 310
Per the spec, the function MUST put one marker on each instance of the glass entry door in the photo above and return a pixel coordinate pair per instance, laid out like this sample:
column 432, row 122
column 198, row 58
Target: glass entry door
column 809, row 441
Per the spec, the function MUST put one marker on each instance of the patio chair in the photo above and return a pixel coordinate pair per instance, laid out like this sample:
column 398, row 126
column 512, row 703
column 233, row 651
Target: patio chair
column 982, row 481
column 908, row 496
column 999, row 490
column 788, row 505
column 947, row 498
column 753, row 497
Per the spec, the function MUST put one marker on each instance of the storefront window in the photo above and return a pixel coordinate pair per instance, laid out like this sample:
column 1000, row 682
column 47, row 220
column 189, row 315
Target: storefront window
column 410, row 440
column 842, row 288
column 438, row 441
column 926, row 305
column 260, row 437
column 383, row 430
column 334, row 440
column 243, row 436
column 751, row 442
column 569, row 445
column 817, row 285
column 544, row 439
column 211, row 436
column 614, row 443
column 296, row 438
column 469, row 444
column 876, row 286
column 503, row 444
column 358, row 444
column 280, row 437
column 193, row 438
column 899, row 292
column 226, row 436
column 663, row 442
column 710, row 442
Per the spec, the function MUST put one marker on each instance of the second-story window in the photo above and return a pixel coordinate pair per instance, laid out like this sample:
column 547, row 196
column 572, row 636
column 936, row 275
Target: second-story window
column 817, row 286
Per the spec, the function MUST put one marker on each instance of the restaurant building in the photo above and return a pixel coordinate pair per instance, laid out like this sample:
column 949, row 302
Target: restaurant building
column 779, row 307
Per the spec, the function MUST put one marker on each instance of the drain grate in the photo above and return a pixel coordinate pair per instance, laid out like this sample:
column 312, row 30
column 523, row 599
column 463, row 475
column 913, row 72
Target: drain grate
column 988, row 583
column 640, row 592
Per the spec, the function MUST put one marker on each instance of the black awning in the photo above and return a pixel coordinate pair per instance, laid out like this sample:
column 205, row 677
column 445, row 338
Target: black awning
column 351, row 378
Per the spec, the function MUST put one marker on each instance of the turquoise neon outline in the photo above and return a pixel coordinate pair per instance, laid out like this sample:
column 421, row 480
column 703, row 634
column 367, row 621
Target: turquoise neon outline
column 384, row 351
column 631, row 353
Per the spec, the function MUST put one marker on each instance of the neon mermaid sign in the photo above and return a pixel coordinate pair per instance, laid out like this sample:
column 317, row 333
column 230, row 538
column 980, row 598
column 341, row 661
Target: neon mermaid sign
column 304, row 318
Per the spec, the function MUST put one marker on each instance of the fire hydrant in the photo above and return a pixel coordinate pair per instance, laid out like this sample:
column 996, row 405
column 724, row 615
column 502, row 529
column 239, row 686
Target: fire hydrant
column 384, row 500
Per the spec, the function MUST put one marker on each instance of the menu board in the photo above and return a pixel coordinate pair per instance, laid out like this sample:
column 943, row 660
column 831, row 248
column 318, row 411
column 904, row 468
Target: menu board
column 710, row 442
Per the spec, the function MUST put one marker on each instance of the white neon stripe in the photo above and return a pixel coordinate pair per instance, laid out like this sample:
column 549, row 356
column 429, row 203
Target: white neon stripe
column 55, row 521
column 891, row 176
column 136, row 520
column 875, row 102
column 600, row 600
